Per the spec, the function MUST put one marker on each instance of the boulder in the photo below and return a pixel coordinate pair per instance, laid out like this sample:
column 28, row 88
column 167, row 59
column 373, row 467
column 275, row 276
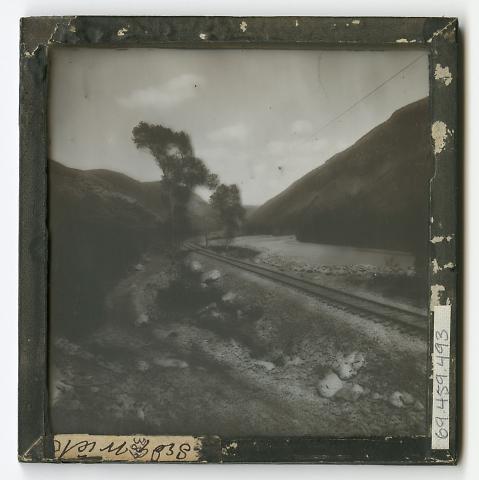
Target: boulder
column 211, row 276
column 329, row 385
column 139, row 267
column 357, row 391
column 265, row 364
column 348, row 366
column 196, row 266
column 351, row 392
column 229, row 298
column 396, row 399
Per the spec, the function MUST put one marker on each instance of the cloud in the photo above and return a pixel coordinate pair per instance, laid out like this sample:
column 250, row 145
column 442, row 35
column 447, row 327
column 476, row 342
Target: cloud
column 170, row 93
column 301, row 127
column 236, row 133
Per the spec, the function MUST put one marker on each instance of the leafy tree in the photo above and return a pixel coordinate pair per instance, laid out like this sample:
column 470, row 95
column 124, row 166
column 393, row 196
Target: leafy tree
column 182, row 170
column 226, row 201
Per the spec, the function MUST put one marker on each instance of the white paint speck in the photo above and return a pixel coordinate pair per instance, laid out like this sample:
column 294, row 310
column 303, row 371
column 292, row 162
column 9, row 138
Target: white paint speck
column 402, row 40
column 203, row 36
column 296, row 23
column 439, row 133
column 437, row 239
column 243, row 26
column 122, row 31
column 435, row 266
column 435, row 295
column 449, row 265
column 443, row 74
column 356, row 22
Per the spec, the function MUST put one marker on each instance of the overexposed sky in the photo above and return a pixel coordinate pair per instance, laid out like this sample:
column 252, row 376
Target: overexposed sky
column 256, row 117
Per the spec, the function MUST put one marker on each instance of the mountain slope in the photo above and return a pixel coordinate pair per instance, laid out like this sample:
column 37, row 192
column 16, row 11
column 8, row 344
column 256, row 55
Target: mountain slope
column 100, row 223
column 373, row 194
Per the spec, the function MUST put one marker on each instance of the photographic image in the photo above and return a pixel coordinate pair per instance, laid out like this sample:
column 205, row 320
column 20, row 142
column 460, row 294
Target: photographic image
column 239, row 242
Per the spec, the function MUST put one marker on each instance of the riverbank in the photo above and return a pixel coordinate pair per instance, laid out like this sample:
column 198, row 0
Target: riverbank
column 381, row 275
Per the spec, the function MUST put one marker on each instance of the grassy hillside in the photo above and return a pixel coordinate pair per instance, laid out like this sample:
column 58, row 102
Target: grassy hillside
column 100, row 223
column 373, row 194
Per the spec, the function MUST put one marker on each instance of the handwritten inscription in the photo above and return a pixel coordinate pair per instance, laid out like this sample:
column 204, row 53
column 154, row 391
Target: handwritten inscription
column 440, row 367
column 135, row 448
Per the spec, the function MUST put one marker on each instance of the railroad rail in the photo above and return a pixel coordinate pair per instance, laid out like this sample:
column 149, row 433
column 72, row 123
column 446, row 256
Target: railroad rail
column 405, row 317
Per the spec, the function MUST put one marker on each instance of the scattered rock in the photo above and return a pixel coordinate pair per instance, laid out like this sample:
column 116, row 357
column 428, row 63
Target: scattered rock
column 142, row 319
column 357, row 391
column 377, row 396
column 170, row 363
column 348, row 367
column 142, row 365
column 418, row 405
column 396, row 399
column 295, row 361
column 211, row 307
column 217, row 315
column 407, row 398
column 330, row 385
column 211, row 276
column 344, row 370
column 196, row 266
column 161, row 280
column 139, row 267
column 267, row 365
column 229, row 298
column 351, row 392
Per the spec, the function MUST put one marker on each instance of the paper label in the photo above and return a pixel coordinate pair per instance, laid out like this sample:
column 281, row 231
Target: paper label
column 128, row 448
column 440, row 368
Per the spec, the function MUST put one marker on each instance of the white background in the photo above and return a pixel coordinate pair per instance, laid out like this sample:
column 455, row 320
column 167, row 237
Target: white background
column 465, row 10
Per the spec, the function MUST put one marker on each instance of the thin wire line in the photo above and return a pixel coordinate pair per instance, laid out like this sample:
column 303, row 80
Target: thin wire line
column 337, row 117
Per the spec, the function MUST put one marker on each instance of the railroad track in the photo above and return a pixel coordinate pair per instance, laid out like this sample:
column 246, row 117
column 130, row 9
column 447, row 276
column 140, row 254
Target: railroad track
column 409, row 320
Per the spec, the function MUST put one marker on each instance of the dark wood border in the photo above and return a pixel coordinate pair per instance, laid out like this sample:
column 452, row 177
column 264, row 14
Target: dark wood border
column 439, row 36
